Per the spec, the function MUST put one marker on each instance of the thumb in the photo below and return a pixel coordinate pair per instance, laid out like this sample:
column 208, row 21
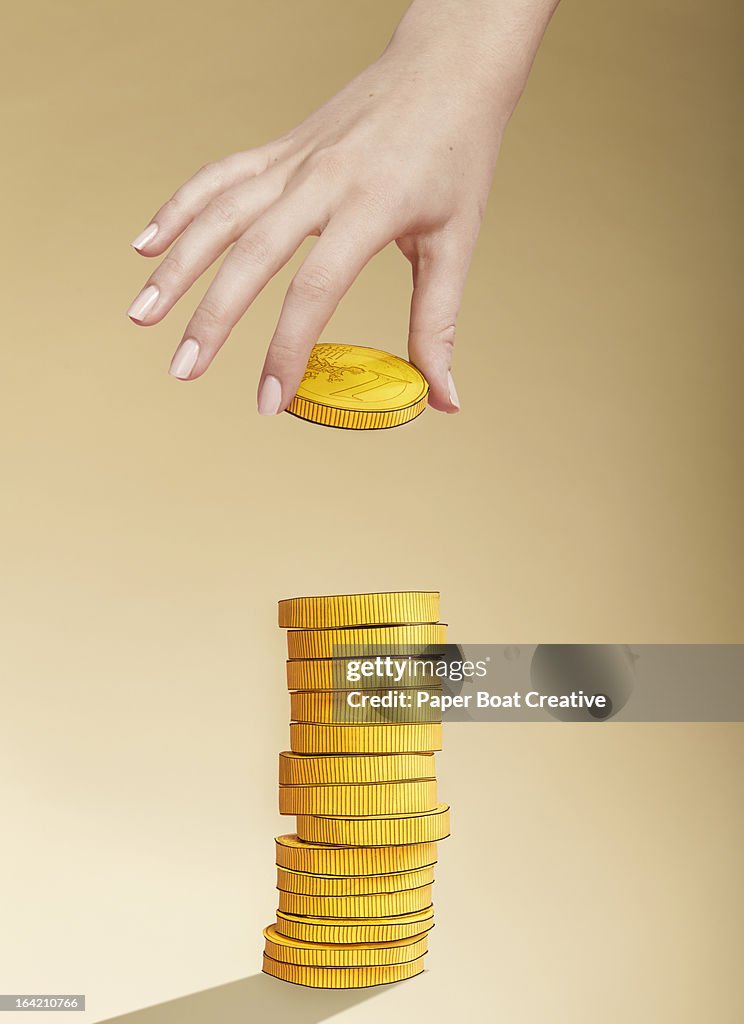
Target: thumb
column 438, row 282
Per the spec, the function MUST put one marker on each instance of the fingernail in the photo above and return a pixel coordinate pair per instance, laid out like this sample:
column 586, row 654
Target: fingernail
column 184, row 360
column 269, row 397
column 452, row 391
column 145, row 237
column 144, row 302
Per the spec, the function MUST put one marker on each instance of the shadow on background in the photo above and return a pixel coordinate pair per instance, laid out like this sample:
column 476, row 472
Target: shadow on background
column 257, row 998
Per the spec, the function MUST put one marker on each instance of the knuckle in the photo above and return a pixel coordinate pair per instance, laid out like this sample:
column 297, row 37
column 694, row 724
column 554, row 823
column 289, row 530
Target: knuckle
column 210, row 174
column 380, row 202
column 223, row 209
column 172, row 268
column 173, row 208
column 440, row 334
column 209, row 318
column 327, row 161
column 283, row 350
column 208, row 177
column 253, row 249
column 312, row 284
column 444, row 335
column 373, row 200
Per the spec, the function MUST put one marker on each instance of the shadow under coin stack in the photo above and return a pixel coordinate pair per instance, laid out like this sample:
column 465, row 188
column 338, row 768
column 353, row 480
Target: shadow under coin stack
column 355, row 881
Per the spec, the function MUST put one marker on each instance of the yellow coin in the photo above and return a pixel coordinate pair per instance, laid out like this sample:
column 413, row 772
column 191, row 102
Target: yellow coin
column 336, row 706
column 343, row 673
column 359, row 389
column 367, row 641
column 351, row 885
column 321, row 859
column 329, row 769
column 383, row 609
column 349, row 930
column 341, row 977
column 366, row 798
column 378, row 904
column 364, row 739
column 372, row 954
column 380, row 830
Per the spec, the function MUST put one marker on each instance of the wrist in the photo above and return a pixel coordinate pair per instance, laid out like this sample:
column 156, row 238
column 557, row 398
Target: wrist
column 492, row 43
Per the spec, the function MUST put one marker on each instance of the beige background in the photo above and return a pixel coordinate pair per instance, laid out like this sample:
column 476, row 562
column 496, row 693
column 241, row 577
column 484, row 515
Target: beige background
column 590, row 490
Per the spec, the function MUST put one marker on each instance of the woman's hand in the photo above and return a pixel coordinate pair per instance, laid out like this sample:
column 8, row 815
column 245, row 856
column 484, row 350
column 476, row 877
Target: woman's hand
column 405, row 153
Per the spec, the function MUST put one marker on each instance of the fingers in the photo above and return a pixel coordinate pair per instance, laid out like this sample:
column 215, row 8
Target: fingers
column 193, row 196
column 345, row 246
column 219, row 224
column 254, row 259
column 438, row 281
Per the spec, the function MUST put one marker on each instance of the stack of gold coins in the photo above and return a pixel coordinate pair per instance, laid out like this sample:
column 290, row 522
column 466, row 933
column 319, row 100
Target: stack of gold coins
column 355, row 879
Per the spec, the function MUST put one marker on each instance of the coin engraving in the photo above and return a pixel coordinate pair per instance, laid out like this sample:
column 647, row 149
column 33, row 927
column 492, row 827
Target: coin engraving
column 359, row 388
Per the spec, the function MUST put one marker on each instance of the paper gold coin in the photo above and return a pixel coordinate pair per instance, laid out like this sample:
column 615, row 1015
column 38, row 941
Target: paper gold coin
column 312, row 954
column 367, row 641
column 321, row 859
column 382, row 904
column 349, row 930
column 364, row 739
column 330, row 769
column 359, row 388
column 381, row 830
column 368, row 707
column 336, row 610
column 344, row 674
column 341, row 977
column 351, row 885
column 367, row 798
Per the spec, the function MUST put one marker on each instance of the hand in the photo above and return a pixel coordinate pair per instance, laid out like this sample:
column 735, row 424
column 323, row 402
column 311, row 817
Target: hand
column 405, row 153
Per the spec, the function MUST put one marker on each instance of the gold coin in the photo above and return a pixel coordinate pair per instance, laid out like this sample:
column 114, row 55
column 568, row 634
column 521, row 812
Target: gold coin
column 367, row 798
column 349, row 930
column 312, row 954
column 320, row 859
column 359, row 389
column 341, row 977
column 351, row 885
column 356, row 707
column 366, row 641
column 329, row 769
column 343, row 673
column 378, row 904
column 380, row 830
column 364, row 739
column 359, row 609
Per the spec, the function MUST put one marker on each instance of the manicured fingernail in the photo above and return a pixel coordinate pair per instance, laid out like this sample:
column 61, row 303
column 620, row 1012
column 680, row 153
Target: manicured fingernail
column 269, row 397
column 184, row 360
column 145, row 237
column 452, row 392
column 144, row 302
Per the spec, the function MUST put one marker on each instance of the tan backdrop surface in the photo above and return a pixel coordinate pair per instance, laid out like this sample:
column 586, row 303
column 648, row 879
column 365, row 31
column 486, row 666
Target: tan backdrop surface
column 590, row 490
